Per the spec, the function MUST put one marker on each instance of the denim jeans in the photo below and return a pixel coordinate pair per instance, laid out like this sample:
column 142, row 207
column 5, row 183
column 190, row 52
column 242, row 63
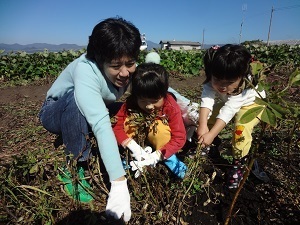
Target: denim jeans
column 63, row 117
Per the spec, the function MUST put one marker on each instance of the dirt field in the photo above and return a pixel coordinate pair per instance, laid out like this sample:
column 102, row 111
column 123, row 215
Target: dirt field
column 274, row 202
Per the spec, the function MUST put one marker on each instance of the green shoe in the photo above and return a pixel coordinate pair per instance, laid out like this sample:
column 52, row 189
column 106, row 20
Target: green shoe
column 79, row 189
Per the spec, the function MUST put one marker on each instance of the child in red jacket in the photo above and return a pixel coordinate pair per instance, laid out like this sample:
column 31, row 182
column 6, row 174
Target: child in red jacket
column 162, row 124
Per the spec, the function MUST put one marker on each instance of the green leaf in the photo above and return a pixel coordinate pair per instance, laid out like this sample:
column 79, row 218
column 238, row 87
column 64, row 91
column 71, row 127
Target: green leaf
column 259, row 101
column 35, row 189
column 251, row 114
column 278, row 110
column 269, row 117
column 261, row 87
column 256, row 67
column 296, row 80
column 195, row 71
column 34, row 169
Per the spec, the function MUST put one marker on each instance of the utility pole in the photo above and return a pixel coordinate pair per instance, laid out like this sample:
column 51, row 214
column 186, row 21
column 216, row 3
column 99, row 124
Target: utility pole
column 202, row 46
column 244, row 8
column 270, row 26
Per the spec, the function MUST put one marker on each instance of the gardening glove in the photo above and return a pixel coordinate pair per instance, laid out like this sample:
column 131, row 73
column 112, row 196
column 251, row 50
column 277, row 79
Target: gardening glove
column 150, row 160
column 138, row 167
column 176, row 166
column 137, row 151
column 118, row 202
column 153, row 158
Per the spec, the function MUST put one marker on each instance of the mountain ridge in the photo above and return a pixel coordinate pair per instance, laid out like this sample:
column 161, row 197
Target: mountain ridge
column 36, row 47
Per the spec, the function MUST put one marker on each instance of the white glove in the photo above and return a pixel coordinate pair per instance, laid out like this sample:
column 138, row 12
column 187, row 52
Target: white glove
column 150, row 160
column 193, row 113
column 118, row 202
column 137, row 151
column 153, row 158
column 138, row 167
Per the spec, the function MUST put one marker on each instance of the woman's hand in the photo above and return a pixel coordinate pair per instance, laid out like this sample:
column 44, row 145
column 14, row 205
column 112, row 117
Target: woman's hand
column 118, row 202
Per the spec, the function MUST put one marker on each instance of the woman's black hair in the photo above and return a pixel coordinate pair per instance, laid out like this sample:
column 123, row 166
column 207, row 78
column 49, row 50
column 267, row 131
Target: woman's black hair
column 149, row 80
column 113, row 38
column 228, row 62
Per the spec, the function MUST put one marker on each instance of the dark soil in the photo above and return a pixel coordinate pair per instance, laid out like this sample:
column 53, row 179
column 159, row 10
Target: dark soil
column 273, row 202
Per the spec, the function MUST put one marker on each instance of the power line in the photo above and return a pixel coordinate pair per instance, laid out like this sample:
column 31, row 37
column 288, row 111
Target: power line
column 270, row 25
column 287, row 7
column 267, row 12
column 277, row 9
column 259, row 14
column 244, row 8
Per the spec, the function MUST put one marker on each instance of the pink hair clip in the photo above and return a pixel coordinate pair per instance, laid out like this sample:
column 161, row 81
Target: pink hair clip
column 215, row 47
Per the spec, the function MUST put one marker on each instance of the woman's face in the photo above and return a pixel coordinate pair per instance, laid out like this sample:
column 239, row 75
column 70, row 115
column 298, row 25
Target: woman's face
column 119, row 71
column 225, row 86
column 150, row 105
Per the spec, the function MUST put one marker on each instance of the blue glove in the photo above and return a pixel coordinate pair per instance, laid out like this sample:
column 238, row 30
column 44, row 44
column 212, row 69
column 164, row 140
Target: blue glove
column 176, row 166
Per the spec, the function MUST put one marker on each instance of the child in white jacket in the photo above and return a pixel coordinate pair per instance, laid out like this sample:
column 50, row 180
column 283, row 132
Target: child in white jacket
column 228, row 73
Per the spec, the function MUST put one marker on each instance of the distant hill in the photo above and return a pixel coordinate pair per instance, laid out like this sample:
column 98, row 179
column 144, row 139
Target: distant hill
column 152, row 45
column 287, row 42
column 37, row 47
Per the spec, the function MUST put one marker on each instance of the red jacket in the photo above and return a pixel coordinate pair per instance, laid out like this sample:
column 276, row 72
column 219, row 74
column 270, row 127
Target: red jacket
column 172, row 111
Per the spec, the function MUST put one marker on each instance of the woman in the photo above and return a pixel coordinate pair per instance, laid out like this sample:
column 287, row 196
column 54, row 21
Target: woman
column 78, row 100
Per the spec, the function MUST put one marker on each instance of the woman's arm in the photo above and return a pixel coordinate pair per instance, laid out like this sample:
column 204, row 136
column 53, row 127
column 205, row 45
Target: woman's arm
column 89, row 91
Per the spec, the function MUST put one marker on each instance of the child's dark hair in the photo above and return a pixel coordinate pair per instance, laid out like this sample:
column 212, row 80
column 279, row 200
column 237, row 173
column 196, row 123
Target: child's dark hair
column 228, row 62
column 113, row 38
column 150, row 80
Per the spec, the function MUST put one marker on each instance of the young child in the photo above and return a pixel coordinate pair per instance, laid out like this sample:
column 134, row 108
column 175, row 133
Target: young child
column 163, row 124
column 228, row 72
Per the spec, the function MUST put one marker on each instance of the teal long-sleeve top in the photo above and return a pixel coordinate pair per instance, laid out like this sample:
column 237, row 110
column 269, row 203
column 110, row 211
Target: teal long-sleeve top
column 93, row 92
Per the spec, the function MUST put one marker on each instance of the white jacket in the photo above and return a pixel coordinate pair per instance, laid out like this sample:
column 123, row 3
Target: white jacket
column 233, row 103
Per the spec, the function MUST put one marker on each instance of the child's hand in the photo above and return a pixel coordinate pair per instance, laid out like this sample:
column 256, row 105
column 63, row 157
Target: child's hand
column 206, row 139
column 201, row 130
column 137, row 151
column 150, row 159
column 138, row 167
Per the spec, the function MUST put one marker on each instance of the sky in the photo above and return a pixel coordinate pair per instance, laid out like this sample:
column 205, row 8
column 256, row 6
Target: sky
column 204, row 21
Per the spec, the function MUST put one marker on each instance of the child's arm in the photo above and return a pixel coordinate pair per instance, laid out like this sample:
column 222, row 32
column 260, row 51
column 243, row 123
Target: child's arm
column 118, row 126
column 207, row 138
column 202, row 122
column 207, row 102
column 178, row 134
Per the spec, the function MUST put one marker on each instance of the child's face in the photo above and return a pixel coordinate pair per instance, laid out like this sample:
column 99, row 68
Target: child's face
column 118, row 71
column 150, row 105
column 225, row 86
